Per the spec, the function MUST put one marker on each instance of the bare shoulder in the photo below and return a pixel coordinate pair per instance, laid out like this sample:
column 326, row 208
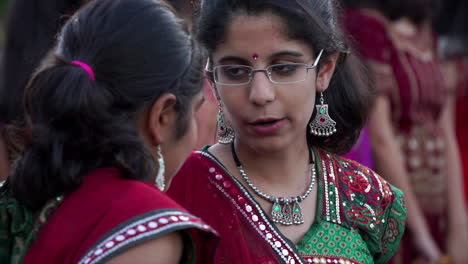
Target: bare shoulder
column 166, row 249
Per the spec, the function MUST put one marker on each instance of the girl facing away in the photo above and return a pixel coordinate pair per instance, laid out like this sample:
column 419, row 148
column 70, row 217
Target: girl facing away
column 109, row 115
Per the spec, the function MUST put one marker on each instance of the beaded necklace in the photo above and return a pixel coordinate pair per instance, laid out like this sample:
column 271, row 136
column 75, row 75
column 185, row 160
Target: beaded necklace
column 285, row 211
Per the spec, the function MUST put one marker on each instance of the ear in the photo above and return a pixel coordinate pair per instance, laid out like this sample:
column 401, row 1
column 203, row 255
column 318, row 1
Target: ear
column 162, row 118
column 326, row 72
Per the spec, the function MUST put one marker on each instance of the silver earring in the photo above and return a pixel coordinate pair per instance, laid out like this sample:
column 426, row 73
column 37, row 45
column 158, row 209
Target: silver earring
column 225, row 133
column 322, row 125
column 160, row 180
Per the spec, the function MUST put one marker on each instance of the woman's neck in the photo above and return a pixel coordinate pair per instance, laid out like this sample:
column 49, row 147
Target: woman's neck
column 285, row 166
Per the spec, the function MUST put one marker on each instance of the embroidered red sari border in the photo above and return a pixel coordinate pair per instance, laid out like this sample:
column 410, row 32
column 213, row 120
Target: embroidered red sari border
column 251, row 211
column 141, row 229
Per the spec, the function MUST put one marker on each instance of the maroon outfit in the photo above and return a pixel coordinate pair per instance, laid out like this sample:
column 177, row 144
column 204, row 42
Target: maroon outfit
column 408, row 74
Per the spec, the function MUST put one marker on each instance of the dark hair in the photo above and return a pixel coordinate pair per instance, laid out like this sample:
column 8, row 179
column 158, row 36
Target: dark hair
column 186, row 8
column 179, row 4
column 314, row 23
column 138, row 50
column 450, row 25
column 416, row 10
column 31, row 31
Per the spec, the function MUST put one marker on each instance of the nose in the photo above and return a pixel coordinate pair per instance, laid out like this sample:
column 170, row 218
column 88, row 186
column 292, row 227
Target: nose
column 262, row 91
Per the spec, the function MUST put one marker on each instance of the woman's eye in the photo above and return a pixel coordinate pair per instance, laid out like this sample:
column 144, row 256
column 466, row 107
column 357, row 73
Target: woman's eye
column 235, row 71
column 284, row 68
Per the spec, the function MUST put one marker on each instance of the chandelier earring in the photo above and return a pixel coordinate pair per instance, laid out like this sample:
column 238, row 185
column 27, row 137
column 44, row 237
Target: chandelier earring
column 225, row 133
column 160, row 180
column 322, row 125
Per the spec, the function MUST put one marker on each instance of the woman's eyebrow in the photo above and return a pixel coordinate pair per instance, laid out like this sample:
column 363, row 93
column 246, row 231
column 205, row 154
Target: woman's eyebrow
column 276, row 54
column 232, row 58
column 286, row 53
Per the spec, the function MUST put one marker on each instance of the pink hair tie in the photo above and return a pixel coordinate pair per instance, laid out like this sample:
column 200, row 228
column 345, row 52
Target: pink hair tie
column 85, row 67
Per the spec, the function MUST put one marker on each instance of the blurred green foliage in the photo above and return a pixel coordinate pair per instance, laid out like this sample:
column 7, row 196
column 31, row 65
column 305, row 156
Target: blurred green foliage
column 3, row 11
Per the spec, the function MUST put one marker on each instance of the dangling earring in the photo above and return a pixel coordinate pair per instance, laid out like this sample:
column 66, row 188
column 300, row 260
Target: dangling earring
column 225, row 133
column 322, row 125
column 160, row 180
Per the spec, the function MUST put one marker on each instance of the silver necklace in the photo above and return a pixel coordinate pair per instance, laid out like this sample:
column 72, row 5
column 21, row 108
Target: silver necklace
column 285, row 211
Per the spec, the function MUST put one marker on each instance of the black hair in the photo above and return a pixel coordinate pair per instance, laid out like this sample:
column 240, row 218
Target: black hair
column 31, row 32
column 417, row 11
column 314, row 23
column 186, row 8
column 450, row 25
column 138, row 50
column 179, row 4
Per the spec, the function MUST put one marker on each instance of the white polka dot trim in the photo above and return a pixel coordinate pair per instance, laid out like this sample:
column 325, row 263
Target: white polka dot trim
column 328, row 259
column 140, row 229
column 249, row 209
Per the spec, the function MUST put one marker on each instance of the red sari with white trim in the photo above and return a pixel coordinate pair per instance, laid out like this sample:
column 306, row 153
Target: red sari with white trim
column 109, row 214
column 351, row 200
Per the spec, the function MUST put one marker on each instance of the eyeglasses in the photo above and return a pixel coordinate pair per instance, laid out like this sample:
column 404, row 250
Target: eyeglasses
column 285, row 73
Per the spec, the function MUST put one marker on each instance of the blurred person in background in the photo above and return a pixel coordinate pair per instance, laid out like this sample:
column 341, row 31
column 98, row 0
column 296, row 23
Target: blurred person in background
column 461, row 117
column 412, row 124
column 362, row 151
column 31, row 30
column 451, row 26
column 4, row 165
column 206, row 116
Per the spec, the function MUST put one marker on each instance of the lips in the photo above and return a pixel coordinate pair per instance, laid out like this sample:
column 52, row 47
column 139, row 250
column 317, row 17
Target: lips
column 265, row 121
column 267, row 126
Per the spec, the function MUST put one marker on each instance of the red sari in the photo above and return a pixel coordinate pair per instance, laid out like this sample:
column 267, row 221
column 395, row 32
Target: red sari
column 461, row 114
column 109, row 214
column 409, row 75
column 352, row 200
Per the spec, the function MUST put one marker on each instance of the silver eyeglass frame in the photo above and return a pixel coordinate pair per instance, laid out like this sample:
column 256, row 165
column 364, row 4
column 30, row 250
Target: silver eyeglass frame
column 266, row 70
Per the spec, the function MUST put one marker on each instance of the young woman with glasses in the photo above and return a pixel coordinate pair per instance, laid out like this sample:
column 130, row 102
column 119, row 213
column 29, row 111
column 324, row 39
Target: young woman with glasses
column 292, row 97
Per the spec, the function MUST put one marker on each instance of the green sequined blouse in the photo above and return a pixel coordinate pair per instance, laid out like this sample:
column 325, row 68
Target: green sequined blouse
column 360, row 219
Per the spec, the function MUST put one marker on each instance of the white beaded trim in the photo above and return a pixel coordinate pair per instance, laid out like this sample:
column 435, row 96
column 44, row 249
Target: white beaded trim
column 264, row 229
column 139, row 230
column 334, row 260
column 325, row 184
column 370, row 209
column 337, row 219
column 336, row 216
column 380, row 186
column 369, row 186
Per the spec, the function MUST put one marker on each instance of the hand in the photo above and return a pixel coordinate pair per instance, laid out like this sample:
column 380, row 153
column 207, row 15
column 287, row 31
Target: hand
column 428, row 249
column 456, row 245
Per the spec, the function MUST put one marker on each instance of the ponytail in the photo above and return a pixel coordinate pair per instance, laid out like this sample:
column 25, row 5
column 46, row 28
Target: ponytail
column 72, row 133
